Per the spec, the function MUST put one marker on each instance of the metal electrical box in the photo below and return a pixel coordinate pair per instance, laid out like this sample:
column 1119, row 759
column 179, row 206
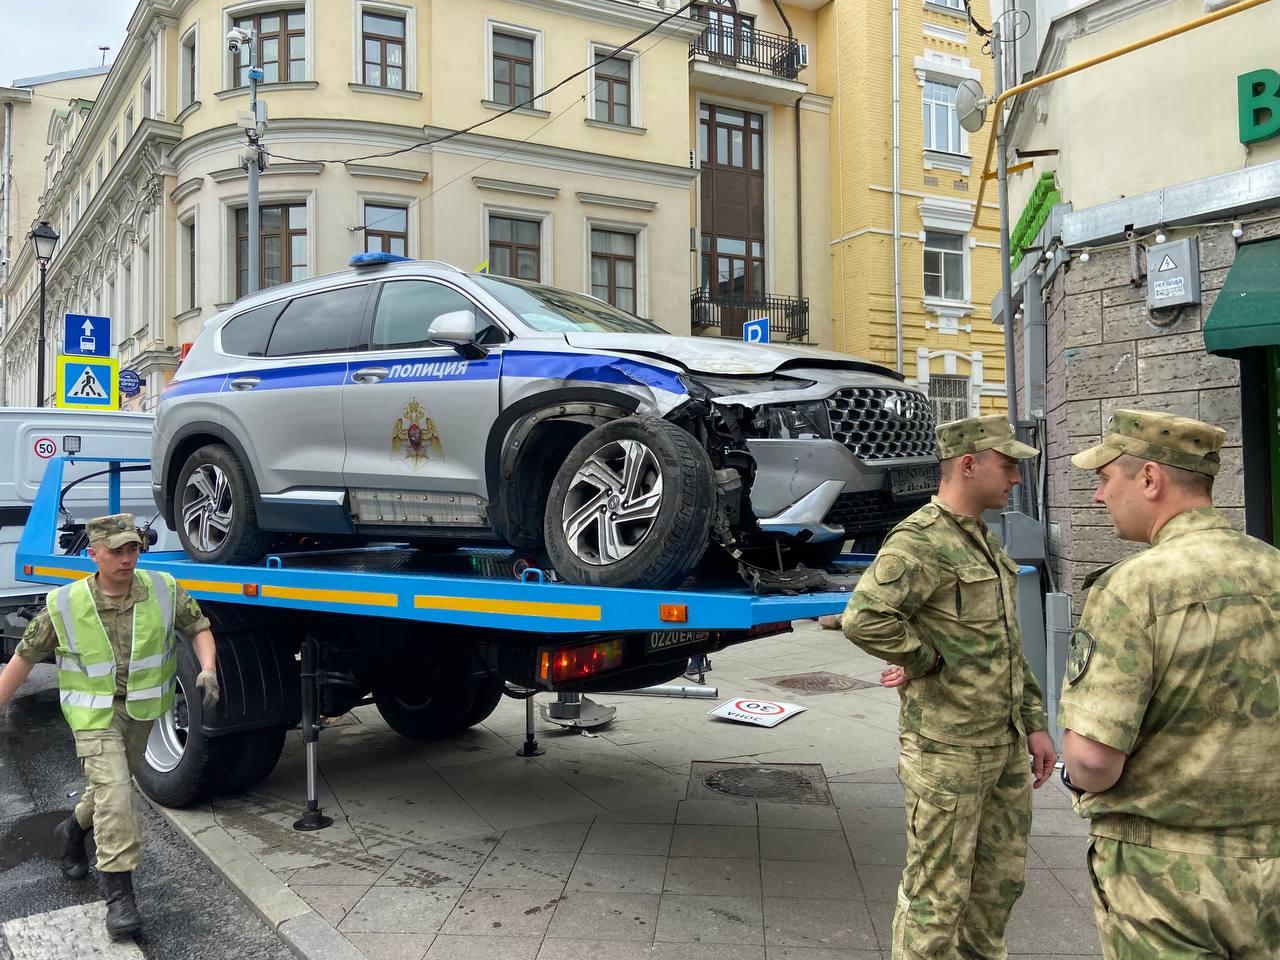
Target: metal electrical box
column 1173, row 274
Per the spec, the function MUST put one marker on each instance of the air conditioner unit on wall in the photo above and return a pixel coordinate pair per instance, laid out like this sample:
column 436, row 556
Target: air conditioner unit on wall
column 802, row 56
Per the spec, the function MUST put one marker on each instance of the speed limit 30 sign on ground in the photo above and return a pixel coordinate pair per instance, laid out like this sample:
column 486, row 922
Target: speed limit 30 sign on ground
column 763, row 713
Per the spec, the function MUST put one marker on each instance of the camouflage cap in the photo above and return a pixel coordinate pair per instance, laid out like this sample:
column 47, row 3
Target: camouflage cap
column 113, row 531
column 975, row 434
column 1162, row 437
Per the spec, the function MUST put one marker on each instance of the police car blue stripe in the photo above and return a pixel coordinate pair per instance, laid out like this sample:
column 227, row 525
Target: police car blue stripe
column 591, row 368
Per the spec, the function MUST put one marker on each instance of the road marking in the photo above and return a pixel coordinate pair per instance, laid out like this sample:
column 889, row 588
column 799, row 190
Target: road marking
column 71, row 932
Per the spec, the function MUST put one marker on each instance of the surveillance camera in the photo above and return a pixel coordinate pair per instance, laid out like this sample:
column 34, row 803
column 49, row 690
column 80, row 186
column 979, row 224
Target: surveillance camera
column 1129, row 234
column 235, row 38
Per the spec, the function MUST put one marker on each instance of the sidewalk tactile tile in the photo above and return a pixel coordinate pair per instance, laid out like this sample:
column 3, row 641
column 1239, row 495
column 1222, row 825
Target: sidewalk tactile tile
column 686, row 919
column 818, row 923
column 605, row 916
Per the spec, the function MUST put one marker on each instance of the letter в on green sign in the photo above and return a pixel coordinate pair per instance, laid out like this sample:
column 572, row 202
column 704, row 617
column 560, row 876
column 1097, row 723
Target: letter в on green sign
column 1259, row 105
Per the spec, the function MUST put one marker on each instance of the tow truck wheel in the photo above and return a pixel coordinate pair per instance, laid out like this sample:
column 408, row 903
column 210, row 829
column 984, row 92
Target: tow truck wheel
column 428, row 701
column 630, row 506
column 214, row 510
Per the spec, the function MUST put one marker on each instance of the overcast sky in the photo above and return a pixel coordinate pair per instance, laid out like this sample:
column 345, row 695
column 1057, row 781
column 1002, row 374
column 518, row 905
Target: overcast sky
column 49, row 36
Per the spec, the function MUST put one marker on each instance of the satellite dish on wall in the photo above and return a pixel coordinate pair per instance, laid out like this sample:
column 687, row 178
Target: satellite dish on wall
column 971, row 105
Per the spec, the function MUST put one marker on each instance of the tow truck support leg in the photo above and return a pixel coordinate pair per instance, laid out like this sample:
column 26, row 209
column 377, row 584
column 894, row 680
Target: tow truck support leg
column 530, row 746
column 312, row 819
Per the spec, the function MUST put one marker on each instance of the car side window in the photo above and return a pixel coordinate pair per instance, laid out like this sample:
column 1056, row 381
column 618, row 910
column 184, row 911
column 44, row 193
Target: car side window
column 246, row 335
column 319, row 323
column 407, row 309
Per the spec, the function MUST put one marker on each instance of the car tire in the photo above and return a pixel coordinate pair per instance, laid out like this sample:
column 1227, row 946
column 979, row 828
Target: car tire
column 430, row 700
column 665, row 476
column 214, row 497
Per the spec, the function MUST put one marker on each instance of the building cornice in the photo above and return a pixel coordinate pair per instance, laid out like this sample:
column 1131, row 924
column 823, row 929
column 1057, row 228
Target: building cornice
column 615, row 14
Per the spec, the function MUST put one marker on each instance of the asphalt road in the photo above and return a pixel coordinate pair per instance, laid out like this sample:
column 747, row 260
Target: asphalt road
column 188, row 909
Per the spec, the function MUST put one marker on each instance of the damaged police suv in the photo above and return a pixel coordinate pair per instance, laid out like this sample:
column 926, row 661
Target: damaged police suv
column 408, row 401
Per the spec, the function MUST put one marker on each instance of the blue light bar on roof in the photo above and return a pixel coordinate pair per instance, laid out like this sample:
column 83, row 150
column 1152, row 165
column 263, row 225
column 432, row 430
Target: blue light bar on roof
column 373, row 259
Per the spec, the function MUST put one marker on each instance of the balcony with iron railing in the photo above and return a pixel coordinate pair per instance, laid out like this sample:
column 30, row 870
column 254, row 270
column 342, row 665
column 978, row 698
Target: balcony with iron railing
column 723, row 315
column 742, row 46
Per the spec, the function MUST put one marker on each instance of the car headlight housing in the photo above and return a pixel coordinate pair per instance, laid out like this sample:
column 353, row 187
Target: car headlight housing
column 795, row 421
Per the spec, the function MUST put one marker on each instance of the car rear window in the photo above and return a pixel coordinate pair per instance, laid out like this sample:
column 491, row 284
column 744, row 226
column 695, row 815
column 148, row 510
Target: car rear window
column 319, row 323
column 246, row 335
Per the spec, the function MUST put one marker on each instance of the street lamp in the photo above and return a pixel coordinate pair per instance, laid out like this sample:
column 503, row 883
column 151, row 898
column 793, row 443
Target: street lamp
column 44, row 238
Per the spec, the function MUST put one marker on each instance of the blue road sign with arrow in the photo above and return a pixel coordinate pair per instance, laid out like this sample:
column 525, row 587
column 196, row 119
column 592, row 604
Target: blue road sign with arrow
column 87, row 336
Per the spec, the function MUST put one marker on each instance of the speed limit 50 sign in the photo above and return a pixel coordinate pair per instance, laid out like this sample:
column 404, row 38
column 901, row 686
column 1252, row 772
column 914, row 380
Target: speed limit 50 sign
column 45, row 447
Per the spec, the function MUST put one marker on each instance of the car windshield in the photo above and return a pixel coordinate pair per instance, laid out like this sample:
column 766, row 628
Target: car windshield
column 549, row 310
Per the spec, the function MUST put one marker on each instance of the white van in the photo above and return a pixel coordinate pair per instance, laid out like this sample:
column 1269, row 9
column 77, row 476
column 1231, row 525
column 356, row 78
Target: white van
column 29, row 439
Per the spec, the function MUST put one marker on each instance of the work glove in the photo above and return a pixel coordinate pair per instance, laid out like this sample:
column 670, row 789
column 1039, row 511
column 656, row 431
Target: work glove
column 207, row 684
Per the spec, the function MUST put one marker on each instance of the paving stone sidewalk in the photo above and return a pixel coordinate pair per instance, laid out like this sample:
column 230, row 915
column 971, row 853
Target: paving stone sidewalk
column 461, row 849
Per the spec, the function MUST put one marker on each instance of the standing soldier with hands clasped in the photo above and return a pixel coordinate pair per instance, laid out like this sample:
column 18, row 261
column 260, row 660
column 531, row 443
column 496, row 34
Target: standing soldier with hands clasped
column 1171, row 707
column 114, row 637
column 938, row 605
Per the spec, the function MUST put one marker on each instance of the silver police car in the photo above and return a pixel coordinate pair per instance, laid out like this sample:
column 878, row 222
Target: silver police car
column 405, row 400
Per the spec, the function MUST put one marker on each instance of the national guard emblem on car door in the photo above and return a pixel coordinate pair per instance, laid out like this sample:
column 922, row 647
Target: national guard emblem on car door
column 414, row 437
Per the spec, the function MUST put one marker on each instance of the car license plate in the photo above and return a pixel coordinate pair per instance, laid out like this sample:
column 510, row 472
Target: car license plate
column 664, row 639
column 913, row 481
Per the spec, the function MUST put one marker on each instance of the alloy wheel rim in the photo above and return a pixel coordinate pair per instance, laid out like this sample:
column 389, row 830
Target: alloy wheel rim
column 613, row 502
column 207, row 509
column 167, row 741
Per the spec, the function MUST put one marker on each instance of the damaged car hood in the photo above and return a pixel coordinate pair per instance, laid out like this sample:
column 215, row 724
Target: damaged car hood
column 718, row 356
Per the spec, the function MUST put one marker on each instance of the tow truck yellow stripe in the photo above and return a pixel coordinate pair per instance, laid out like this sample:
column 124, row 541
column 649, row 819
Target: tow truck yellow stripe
column 60, row 572
column 212, row 586
column 519, row 608
column 361, row 598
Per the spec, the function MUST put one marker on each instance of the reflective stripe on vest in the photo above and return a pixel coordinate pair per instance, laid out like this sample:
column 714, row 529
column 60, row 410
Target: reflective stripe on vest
column 86, row 661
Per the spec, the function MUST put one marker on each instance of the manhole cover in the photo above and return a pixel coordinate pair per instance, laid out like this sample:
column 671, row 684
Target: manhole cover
column 817, row 682
column 771, row 783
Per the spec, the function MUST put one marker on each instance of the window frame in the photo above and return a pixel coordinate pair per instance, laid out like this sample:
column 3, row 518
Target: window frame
column 383, row 41
column 929, row 107
column 357, row 324
column 147, row 98
column 484, row 317
column 641, row 233
column 286, row 245
column 597, row 52
column 188, row 260
column 113, row 149
column 128, row 122
column 934, row 402
column 386, row 236
column 189, row 71
column 962, row 253
column 492, row 26
column 541, row 248
column 257, row 9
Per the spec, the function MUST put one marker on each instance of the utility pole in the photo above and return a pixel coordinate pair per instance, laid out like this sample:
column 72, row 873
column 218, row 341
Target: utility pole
column 255, row 123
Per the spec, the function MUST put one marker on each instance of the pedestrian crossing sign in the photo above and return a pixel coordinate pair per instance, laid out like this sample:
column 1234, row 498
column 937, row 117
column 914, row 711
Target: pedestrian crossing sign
column 88, row 383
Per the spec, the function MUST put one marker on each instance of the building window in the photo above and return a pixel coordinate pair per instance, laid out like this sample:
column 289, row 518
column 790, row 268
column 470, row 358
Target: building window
column 512, row 69
column 282, row 249
column 386, row 229
column 731, row 139
column 145, row 98
column 613, row 268
column 281, row 47
column 732, row 267
column 383, row 36
column 128, row 123
column 941, row 122
column 515, row 247
column 950, row 398
column 144, row 289
column 126, row 296
column 612, row 86
column 97, row 173
column 949, row 4
column 729, row 33
column 944, row 277
column 187, row 56
column 113, row 149
column 189, row 262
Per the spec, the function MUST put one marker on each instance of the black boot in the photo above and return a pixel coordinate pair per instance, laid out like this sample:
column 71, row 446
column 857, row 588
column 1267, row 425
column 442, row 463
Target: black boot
column 70, row 836
column 123, row 919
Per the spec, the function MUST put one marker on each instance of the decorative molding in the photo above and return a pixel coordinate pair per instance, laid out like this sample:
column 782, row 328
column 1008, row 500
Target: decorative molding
column 816, row 102
column 616, row 127
column 188, row 314
column 930, row 69
column 185, row 189
column 389, row 173
column 952, row 216
column 187, row 111
column 940, row 160
column 618, row 14
column 234, row 92
column 388, row 91
column 944, row 10
column 510, row 186
column 626, row 203
column 275, row 170
column 935, row 31
column 506, row 108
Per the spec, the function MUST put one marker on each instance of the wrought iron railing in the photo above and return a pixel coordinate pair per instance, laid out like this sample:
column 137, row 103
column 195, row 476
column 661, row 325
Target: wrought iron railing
column 745, row 46
column 788, row 316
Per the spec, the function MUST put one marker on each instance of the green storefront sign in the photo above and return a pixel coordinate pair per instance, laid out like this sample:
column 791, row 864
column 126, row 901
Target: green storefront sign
column 1259, row 105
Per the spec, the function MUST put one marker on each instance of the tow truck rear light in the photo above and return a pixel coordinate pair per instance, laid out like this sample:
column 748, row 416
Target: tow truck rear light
column 673, row 613
column 575, row 663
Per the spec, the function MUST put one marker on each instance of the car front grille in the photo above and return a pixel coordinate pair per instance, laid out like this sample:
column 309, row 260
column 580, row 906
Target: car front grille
column 876, row 423
column 872, row 511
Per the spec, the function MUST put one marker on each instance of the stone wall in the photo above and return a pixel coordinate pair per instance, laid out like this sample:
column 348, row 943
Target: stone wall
column 1106, row 351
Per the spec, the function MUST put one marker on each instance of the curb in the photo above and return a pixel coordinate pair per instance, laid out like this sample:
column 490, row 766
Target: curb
column 305, row 932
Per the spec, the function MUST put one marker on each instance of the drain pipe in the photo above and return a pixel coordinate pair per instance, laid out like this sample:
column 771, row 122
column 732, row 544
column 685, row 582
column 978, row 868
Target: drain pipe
column 897, row 188
column 4, row 235
column 791, row 38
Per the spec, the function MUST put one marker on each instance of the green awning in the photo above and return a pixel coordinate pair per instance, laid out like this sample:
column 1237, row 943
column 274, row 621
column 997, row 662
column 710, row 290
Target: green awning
column 1247, row 311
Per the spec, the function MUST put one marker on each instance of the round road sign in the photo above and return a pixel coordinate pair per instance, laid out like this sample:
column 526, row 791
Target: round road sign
column 45, row 447
column 759, row 708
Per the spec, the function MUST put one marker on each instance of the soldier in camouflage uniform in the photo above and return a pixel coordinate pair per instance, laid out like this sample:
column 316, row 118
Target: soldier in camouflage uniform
column 113, row 636
column 1171, row 707
column 938, row 605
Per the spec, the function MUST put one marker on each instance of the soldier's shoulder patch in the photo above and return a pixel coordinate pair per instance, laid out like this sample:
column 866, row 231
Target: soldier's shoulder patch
column 889, row 568
column 1078, row 654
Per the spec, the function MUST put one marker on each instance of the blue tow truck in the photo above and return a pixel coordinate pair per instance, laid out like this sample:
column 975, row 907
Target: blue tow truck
column 433, row 640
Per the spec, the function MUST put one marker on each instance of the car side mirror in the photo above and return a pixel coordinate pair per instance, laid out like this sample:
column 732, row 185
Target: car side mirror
column 458, row 328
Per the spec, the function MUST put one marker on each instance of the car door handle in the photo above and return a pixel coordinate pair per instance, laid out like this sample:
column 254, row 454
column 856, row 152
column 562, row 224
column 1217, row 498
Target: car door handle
column 245, row 383
column 370, row 374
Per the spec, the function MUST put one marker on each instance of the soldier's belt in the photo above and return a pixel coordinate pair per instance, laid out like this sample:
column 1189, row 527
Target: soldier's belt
column 1257, row 840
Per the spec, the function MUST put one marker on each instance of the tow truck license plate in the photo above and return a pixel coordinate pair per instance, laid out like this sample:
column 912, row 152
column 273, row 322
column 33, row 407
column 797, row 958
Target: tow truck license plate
column 663, row 639
column 908, row 481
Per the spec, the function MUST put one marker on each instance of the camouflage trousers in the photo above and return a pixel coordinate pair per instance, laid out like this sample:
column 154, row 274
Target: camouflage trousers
column 968, row 816
column 109, row 758
column 1153, row 904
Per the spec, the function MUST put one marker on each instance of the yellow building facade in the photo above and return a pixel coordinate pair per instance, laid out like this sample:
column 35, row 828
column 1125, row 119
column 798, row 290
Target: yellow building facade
column 930, row 317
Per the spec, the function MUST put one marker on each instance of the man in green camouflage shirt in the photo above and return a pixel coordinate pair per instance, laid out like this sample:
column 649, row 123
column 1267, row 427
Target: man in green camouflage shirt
column 1171, row 707
column 938, row 604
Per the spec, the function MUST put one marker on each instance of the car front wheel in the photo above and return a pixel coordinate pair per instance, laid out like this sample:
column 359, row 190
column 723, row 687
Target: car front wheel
column 216, row 519
column 631, row 506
